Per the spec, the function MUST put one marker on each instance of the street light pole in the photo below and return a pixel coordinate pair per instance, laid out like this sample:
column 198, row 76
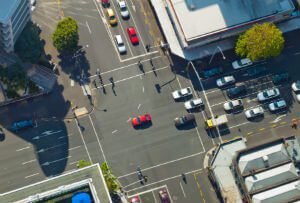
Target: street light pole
column 211, row 58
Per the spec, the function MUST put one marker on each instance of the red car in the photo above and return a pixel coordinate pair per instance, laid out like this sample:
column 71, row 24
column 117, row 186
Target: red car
column 164, row 196
column 140, row 120
column 105, row 3
column 132, row 35
column 135, row 200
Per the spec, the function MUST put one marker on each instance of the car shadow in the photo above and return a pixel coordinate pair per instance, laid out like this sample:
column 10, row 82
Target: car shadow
column 143, row 126
column 187, row 126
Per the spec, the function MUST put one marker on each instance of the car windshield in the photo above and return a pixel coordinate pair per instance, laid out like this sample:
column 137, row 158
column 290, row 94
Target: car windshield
column 112, row 17
column 121, row 44
column 240, row 63
column 223, row 80
column 133, row 35
column 298, row 84
column 123, row 8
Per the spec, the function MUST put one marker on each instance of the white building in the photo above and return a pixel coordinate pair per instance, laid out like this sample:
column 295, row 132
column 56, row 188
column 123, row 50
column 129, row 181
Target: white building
column 14, row 15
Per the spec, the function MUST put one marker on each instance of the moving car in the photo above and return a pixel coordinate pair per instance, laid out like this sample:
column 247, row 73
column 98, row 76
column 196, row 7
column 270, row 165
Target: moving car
column 233, row 105
column 193, row 104
column 226, row 80
column 19, row 125
column 276, row 105
column 111, row 16
column 105, row 3
column 135, row 200
column 120, row 44
column 268, row 94
column 236, row 91
column 140, row 120
column 258, row 70
column 164, row 196
column 252, row 113
column 132, row 35
column 241, row 63
column 280, row 78
column 212, row 72
column 296, row 86
column 178, row 94
column 123, row 9
column 183, row 120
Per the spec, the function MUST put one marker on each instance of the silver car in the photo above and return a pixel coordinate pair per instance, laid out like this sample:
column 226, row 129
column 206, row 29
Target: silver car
column 178, row 94
column 234, row 104
column 226, row 80
column 252, row 113
column 193, row 104
column 123, row 9
column 120, row 44
column 268, row 94
column 241, row 63
column 276, row 105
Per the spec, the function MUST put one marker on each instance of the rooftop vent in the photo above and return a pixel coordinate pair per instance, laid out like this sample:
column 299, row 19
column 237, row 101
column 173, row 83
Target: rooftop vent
column 266, row 161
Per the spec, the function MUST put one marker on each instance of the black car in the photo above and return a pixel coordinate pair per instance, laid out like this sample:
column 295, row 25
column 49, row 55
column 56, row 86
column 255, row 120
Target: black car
column 236, row 91
column 280, row 78
column 255, row 71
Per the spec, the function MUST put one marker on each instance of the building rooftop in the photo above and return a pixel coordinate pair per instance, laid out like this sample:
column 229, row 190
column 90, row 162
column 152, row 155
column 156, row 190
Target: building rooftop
column 7, row 7
column 284, row 193
column 271, row 177
column 215, row 15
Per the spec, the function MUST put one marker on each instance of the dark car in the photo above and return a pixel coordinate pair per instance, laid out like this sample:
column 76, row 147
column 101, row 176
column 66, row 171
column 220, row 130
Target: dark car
column 236, row 91
column 212, row 72
column 280, row 78
column 105, row 3
column 164, row 196
column 19, row 125
column 258, row 70
column 183, row 120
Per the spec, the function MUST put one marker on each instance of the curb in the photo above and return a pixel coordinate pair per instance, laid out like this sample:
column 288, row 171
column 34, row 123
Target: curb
column 207, row 157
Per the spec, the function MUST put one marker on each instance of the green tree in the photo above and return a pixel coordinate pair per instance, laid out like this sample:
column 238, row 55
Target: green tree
column 29, row 45
column 260, row 42
column 83, row 163
column 65, row 37
column 110, row 179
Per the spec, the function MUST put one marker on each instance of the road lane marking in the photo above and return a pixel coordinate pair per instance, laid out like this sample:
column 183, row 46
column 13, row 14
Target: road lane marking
column 18, row 150
column 262, row 129
column 72, row 83
column 83, row 141
column 32, row 175
column 178, row 82
column 143, row 89
column 139, row 106
column 105, row 160
column 113, row 132
column 46, row 149
column 182, row 189
column 147, row 191
column 139, row 56
column 57, row 160
column 74, row 162
column 297, row 53
column 278, row 118
column 162, row 164
column 199, row 188
column 74, row 148
column 239, row 125
column 87, row 25
column 27, row 162
column 129, row 119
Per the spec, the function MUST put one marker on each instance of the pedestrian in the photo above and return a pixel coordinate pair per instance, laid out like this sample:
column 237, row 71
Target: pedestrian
column 183, row 178
column 151, row 62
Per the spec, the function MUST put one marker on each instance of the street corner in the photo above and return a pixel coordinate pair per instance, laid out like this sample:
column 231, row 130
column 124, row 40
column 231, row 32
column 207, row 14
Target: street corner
column 208, row 156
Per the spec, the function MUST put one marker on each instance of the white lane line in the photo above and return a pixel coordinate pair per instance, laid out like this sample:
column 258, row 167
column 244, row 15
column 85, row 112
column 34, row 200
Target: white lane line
column 65, row 136
column 27, row 162
column 87, row 25
column 104, row 158
column 139, row 106
column 143, row 89
column 178, row 81
column 113, row 132
column 74, row 162
column 72, row 83
column 155, row 200
column 123, row 67
column 182, row 189
column 132, row 77
column 200, row 139
column 32, row 175
column 147, row 191
column 132, row 5
column 235, row 126
column 83, row 141
column 141, row 77
column 57, row 160
column 74, row 148
column 129, row 119
column 297, row 53
column 18, row 150
column 138, row 56
column 162, row 164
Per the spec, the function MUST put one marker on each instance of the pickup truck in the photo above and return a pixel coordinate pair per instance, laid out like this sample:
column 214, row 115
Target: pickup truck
column 19, row 125
column 215, row 122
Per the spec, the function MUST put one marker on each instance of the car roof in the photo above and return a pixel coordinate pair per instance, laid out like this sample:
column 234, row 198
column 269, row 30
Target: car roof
column 110, row 12
column 119, row 38
column 122, row 3
column 131, row 29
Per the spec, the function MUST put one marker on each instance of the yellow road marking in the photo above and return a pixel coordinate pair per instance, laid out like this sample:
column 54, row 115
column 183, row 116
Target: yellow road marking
column 282, row 123
column 59, row 7
column 249, row 133
column 262, row 129
column 274, row 125
column 199, row 188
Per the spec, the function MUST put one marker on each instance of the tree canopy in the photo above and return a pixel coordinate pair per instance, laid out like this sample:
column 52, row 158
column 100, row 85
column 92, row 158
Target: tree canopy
column 110, row 179
column 260, row 42
column 65, row 37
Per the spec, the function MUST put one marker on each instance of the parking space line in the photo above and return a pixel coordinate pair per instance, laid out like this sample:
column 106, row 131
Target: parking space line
column 155, row 200
column 162, row 164
column 238, row 125
column 178, row 82
column 18, row 150
column 74, row 148
column 182, row 189
column 147, row 191
column 88, row 27
column 27, row 162
column 262, row 129
column 32, row 175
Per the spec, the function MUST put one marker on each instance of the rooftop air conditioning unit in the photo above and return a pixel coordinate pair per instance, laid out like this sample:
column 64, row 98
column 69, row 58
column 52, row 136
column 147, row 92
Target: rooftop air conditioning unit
column 266, row 161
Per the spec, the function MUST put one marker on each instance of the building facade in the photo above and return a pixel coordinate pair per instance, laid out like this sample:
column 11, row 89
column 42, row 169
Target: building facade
column 14, row 15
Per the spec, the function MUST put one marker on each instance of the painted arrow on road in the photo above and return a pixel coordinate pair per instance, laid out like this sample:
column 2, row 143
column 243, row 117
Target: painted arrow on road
column 278, row 119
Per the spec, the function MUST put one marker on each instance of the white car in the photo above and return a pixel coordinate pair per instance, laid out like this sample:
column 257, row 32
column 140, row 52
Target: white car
column 276, row 105
column 120, row 44
column 226, row 80
column 296, row 86
column 193, row 104
column 268, row 94
column 252, row 113
column 178, row 94
column 298, row 97
column 123, row 9
column 234, row 104
column 241, row 63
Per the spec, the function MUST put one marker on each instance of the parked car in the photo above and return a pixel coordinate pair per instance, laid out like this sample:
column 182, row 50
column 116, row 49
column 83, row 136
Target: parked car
column 140, row 120
column 280, row 78
column 296, row 86
column 236, row 91
column 132, row 35
column 111, row 16
column 164, row 196
column 105, row 3
column 268, row 94
column 226, row 80
column 183, row 120
column 178, row 94
column 193, row 104
column 258, row 70
column 241, row 63
column 19, row 125
column 277, row 105
column 120, row 44
column 255, row 112
column 212, row 72
column 135, row 200
column 233, row 105
column 123, row 9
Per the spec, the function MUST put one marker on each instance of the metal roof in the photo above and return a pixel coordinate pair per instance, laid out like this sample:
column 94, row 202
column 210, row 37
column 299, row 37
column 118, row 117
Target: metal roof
column 7, row 8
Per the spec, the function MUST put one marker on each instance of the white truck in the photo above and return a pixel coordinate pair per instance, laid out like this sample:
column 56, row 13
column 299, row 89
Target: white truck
column 217, row 121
